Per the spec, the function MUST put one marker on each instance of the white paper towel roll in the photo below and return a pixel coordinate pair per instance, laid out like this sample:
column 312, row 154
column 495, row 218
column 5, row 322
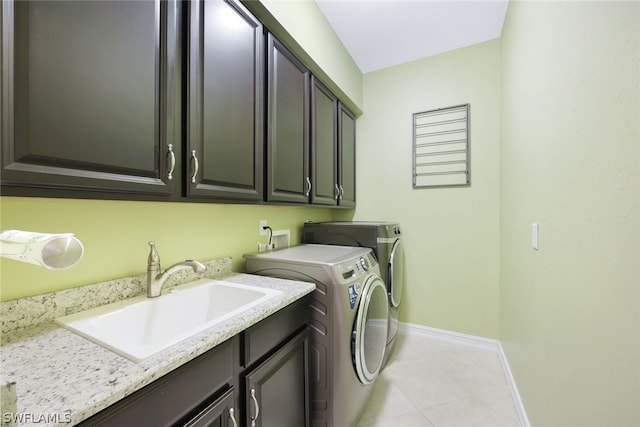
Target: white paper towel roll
column 52, row 251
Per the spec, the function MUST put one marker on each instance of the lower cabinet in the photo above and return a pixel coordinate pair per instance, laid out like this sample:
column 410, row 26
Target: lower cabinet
column 258, row 378
column 276, row 395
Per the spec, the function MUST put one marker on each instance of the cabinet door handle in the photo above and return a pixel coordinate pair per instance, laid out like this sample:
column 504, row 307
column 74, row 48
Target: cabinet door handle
column 255, row 402
column 337, row 193
column 341, row 192
column 306, row 193
column 172, row 158
column 196, row 166
column 233, row 419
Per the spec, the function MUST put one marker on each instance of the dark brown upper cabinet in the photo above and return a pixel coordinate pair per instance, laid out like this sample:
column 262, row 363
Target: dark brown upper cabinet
column 346, row 157
column 324, row 145
column 165, row 100
column 333, row 138
column 288, row 178
column 90, row 96
column 224, row 139
column 310, row 136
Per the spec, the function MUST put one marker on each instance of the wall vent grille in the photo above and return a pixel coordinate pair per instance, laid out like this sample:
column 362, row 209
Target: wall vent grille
column 441, row 147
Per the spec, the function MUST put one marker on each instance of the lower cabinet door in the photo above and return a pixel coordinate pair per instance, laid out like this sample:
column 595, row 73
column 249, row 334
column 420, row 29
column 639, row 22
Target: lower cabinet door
column 277, row 391
column 220, row 413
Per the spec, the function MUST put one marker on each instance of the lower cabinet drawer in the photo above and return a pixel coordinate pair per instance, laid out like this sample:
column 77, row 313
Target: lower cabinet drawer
column 174, row 396
column 264, row 336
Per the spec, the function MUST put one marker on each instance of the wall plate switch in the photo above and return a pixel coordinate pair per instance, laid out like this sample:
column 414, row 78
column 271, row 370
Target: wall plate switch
column 263, row 223
column 535, row 230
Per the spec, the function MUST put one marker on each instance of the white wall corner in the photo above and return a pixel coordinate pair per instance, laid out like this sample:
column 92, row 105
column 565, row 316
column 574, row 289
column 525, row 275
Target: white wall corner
column 524, row 420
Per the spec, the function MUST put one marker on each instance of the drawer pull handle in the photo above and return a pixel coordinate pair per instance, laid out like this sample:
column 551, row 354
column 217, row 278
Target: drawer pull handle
column 195, row 166
column 255, row 402
column 172, row 156
column 233, row 419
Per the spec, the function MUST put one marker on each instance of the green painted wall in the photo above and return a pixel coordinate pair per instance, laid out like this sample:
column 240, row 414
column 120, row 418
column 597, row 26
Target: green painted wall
column 570, row 161
column 115, row 236
column 450, row 234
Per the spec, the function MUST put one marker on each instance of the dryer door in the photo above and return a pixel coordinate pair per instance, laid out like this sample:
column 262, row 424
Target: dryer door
column 395, row 273
column 369, row 336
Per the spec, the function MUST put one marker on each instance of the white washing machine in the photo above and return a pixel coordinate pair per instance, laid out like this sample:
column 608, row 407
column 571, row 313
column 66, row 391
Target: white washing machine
column 349, row 323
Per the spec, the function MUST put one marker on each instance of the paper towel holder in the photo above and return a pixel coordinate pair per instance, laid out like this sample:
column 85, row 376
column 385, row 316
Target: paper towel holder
column 51, row 251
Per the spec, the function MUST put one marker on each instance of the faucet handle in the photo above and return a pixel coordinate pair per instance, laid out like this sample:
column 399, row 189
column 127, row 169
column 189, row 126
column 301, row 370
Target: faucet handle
column 154, row 257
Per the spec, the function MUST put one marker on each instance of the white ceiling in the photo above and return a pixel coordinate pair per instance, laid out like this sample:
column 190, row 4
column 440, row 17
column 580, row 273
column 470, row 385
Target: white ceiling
column 383, row 33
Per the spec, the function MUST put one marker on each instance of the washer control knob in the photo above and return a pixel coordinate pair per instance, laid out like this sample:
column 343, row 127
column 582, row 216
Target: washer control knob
column 364, row 262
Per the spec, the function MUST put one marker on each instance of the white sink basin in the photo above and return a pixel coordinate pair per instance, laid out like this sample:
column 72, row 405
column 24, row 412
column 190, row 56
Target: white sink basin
column 140, row 327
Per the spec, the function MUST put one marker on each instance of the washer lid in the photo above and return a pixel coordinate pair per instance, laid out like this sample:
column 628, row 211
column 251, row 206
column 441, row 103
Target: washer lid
column 313, row 254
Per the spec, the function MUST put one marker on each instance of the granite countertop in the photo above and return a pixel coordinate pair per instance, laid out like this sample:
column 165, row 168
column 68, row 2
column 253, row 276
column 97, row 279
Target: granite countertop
column 61, row 378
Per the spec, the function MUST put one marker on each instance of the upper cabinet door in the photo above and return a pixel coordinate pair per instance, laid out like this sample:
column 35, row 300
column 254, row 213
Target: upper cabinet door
column 225, row 96
column 324, row 145
column 288, row 177
column 90, row 95
column 347, row 157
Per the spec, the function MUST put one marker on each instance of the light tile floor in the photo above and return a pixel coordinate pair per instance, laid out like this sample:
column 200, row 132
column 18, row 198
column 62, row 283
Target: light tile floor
column 432, row 382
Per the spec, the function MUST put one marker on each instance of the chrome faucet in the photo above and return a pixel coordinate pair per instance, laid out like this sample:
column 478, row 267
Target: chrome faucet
column 156, row 278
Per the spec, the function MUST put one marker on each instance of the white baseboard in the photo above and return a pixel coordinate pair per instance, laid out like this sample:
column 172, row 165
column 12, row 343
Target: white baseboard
column 457, row 337
column 478, row 342
column 524, row 420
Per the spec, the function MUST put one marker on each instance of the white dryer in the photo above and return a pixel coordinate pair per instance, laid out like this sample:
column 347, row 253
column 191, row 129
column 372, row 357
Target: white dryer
column 349, row 322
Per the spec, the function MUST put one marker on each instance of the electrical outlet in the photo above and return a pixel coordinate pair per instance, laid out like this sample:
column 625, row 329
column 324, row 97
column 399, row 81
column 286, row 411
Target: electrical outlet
column 263, row 223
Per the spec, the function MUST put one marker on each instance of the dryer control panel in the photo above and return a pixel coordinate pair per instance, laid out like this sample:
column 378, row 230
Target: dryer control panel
column 354, row 269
